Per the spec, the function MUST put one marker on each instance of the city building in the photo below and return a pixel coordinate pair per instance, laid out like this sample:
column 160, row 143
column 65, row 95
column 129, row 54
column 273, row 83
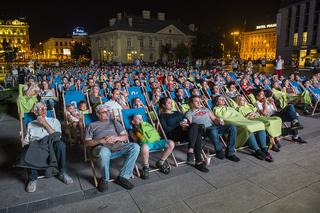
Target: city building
column 259, row 43
column 59, row 48
column 130, row 37
column 16, row 33
column 298, row 32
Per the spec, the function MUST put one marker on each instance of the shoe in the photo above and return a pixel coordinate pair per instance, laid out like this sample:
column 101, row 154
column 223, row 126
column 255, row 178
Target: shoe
column 164, row 167
column 145, row 172
column 296, row 125
column 278, row 143
column 299, row 140
column 259, row 154
column 275, row 148
column 190, row 157
column 102, row 185
column 32, row 186
column 125, row 183
column 65, row 178
column 233, row 158
column 268, row 156
column 220, row 154
column 201, row 167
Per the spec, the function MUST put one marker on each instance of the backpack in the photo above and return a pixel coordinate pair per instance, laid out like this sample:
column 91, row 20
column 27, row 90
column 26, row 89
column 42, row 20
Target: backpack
column 148, row 134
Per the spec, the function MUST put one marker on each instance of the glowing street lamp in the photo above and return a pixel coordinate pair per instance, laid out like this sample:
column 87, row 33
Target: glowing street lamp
column 234, row 34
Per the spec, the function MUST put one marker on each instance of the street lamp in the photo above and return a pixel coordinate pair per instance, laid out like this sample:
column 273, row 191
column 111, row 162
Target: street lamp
column 238, row 49
column 234, row 34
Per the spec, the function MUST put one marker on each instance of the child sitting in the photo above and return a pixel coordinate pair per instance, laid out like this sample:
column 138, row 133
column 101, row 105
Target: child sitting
column 149, row 139
column 82, row 107
column 74, row 120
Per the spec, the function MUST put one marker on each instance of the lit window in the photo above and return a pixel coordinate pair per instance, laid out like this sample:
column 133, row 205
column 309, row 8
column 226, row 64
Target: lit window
column 129, row 44
column 295, row 39
column 304, row 38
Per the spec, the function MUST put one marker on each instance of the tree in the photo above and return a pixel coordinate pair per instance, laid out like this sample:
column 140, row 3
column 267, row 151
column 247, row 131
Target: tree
column 206, row 45
column 166, row 52
column 9, row 52
column 181, row 51
column 81, row 50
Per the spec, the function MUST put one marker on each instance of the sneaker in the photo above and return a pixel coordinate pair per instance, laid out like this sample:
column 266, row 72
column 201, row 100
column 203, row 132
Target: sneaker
column 164, row 167
column 275, row 148
column 278, row 143
column 259, row 154
column 32, row 186
column 220, row 154
column 125, row 183
column 296, row 125
column 65, row 178
column 190, row 157
column 201, row 167
column 299, row 140
column 102, row 185
column 145, row 172
column 233, row 158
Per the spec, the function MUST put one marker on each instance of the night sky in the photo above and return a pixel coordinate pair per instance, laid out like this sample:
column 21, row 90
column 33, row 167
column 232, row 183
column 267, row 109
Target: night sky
column 58, row 18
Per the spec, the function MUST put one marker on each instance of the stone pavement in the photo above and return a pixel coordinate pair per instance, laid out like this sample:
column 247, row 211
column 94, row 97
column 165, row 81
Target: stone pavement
column 290, row 184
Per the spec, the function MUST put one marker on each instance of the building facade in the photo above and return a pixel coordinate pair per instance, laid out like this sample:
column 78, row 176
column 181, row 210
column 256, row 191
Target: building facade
column 16, row 33
column 298, row 32
column 129, row 37
column 260, row 43
column 57, row 48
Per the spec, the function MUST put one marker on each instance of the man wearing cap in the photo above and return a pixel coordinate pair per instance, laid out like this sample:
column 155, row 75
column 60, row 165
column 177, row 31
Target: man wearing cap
column 107, row 137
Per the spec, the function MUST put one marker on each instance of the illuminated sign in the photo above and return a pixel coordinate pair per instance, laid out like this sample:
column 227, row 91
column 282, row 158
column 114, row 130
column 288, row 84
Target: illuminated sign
column 66, row 52
column 79, row 31
column 266, row 26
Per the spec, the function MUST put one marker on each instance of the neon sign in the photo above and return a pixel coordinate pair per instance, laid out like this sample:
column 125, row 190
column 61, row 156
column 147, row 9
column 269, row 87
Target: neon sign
column 79, row 31
column 266, row 26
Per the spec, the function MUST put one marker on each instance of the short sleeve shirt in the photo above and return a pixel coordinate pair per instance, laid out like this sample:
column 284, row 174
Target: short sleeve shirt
column 200, row 116
column 99, row 129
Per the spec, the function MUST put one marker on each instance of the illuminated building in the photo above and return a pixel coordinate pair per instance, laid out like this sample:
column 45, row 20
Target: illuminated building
column 59, row 48
column 260, row 43
column 16, row 33
column 298, row 30
column 130, row 37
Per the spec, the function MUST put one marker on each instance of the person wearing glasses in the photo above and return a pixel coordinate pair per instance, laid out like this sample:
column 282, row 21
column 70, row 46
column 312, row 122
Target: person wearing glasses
column 107, row 138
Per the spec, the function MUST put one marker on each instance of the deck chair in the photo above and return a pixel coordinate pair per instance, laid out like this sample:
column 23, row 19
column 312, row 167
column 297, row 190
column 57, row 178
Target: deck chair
column 134, row 90
column 27, row 118
column 315, row 92
column 89, row 118
column 127, row 113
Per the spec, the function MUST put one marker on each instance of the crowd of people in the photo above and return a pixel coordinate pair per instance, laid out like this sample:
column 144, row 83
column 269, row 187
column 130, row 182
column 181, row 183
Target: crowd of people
column 227, row 109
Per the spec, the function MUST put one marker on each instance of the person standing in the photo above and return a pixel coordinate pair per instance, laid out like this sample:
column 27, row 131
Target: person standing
column 279, row 66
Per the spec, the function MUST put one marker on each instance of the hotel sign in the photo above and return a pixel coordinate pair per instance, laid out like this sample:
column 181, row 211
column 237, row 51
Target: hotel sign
column 266, row 26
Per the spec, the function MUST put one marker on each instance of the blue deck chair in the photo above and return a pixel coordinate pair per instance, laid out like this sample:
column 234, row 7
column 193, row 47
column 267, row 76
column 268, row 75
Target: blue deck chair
column 29, row 117
column 128, row 113
column 73, row 96
column 315, row 92
column 296, row 86
column 134, row 90
column 88, row 119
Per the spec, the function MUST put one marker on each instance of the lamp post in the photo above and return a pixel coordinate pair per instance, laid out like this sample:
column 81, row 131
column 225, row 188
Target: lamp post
column 234, row 34
column 238, row 48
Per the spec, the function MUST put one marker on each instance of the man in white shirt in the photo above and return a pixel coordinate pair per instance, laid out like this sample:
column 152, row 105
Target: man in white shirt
column 37, row 130
column 279, row 66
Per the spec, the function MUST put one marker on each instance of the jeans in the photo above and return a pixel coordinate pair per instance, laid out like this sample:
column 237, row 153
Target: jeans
column 195, row 140
column 217, row 130
column 60, row 151
column 260, row 143
column 104, row 155
column 288, row 114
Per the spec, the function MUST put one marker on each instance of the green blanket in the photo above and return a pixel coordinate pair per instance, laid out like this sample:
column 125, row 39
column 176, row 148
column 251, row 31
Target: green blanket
column 244, row 126
column 272, row 124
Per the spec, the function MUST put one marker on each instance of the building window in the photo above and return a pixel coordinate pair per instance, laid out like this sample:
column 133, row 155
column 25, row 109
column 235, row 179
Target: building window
column 61, row 43
column 160, row 43
column 65, row 43
column 151, row 57
column 141, row 43
column 304, row 38
column 295, row 39
column 150, row 43
column 56, row 43
column 129, row 44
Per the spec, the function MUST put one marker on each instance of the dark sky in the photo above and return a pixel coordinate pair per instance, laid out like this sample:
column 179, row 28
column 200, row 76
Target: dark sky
column 58, row 17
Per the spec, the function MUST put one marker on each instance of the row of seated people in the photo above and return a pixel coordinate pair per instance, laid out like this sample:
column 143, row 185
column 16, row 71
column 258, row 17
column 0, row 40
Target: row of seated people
column 196, row 110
